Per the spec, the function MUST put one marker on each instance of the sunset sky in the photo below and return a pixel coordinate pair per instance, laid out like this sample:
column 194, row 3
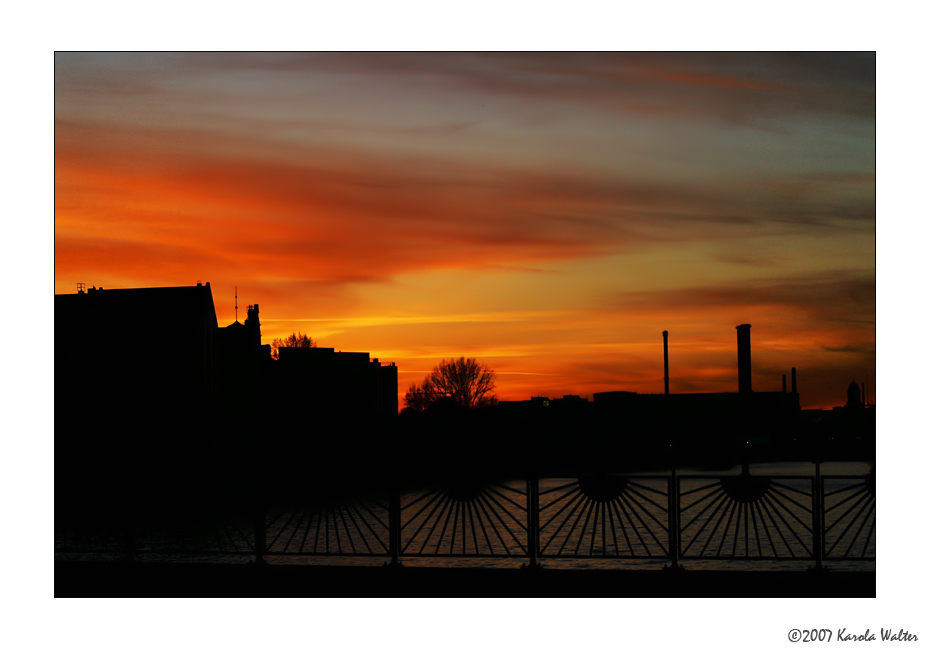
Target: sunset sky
column 549, row 214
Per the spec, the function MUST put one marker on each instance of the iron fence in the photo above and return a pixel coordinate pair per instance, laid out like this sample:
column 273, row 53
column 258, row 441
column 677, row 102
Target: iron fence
column 465, row 519
column 605, row 517
column 676, row 518
column 747, row 517
column 847, row 506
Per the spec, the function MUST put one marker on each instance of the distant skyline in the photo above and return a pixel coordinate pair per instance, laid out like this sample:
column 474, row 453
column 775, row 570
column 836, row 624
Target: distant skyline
column 549, row 214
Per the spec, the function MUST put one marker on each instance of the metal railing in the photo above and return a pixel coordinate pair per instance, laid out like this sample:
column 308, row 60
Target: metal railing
column 606, row 517
column 675, row 518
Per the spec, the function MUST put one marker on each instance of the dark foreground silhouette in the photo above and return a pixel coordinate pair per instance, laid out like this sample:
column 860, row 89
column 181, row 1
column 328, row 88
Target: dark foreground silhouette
column 180, row 434
column 207, row 580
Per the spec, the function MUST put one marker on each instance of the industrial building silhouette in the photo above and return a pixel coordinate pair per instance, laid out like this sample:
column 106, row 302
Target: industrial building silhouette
column 662, row 428
column 768, row 413
column 746, row 403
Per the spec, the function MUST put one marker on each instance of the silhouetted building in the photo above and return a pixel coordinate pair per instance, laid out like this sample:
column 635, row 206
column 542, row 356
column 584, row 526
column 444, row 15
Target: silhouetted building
column 745, row 415
column 569, row 402
column 134, row 397
column 853, row 400
column 667, row 378
column 536, row 403
column 745, row 358
column 241, row 372
column 147, row 372
column 766, row 410
column 133, row 364
column 844, row 432
column 347, row 385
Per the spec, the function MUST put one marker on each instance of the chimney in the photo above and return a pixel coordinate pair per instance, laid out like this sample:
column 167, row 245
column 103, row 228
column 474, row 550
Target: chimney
column 745, row 358
column 252, row 320
column 793, row 380
column 864, row 395
column 784, row 383
column 667, row 385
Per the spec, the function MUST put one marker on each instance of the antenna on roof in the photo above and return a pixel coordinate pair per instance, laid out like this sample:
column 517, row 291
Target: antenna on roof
column 237, row 303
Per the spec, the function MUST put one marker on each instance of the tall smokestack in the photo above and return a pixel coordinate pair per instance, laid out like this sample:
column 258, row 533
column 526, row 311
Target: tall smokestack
column 784, row 383
column 793, row 380
column 667, row 382
column 745, row 357
column 864, row 395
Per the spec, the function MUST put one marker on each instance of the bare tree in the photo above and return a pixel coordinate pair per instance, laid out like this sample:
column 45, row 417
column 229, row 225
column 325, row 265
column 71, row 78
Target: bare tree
column 467, row 381
column 417, row 398
column 293, row 340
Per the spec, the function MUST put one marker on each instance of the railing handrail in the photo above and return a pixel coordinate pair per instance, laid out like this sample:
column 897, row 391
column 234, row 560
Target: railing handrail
column 770, row 517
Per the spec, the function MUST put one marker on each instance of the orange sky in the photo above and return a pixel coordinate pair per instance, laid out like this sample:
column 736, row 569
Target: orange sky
column 549, row 214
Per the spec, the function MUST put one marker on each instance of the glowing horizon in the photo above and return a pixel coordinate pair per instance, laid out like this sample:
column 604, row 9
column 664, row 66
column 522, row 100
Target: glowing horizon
column 550, row 214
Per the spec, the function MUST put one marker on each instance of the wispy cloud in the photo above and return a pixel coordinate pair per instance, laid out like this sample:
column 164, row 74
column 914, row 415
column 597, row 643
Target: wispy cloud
column 841, row 296
column 359, row 193
column 730, row 87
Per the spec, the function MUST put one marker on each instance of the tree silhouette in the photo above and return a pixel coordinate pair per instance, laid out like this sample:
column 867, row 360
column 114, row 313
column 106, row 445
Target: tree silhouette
column 467, row 381
column 417, row 398
column 293, row 340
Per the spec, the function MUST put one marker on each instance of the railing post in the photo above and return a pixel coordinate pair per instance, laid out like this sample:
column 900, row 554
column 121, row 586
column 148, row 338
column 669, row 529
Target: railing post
column 128, row 538
column 532, row 520
column 674, row 506
column 261, row 523
column 393, row 521
column 818, row 516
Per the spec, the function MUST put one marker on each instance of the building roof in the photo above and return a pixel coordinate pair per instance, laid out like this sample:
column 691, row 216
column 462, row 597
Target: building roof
column 138, row 305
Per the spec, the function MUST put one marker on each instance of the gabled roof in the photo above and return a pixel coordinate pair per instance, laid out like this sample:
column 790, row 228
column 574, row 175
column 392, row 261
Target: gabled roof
column 138, row 305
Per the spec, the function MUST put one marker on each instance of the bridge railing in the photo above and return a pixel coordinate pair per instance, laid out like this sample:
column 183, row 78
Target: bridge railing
column 676, row 518
column 747, row 517
column 608, row 516
column 847, row 505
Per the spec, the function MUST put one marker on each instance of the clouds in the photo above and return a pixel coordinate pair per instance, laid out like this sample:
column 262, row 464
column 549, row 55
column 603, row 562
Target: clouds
column 340, row 207
column 344, row 185
column 737, row 87
column 828, row 298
